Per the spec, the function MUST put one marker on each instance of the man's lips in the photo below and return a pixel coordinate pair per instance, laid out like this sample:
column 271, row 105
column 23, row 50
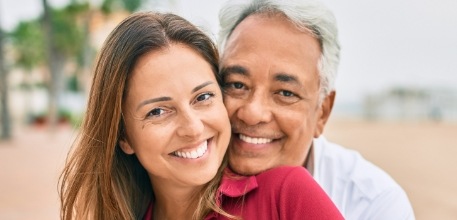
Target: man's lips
column 254, row 140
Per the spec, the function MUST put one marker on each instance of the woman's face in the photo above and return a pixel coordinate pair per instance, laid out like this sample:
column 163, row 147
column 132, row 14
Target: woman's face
column 175, row 119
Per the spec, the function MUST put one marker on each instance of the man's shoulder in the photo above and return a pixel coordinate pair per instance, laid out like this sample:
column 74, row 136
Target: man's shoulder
column 337, row 164
column 357, row 186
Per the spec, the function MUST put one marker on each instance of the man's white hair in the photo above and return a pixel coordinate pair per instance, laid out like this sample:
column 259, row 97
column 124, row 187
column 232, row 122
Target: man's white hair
column 307, row 15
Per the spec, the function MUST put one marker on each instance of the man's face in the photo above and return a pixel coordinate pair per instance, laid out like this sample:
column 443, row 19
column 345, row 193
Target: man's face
column 271, row 91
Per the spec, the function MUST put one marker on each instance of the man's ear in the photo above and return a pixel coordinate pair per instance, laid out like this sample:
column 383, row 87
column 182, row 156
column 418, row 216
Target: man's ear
column 125, row 146
column 324, row 113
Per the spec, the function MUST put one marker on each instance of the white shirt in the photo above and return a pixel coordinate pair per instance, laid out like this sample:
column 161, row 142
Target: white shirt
column 358, row 188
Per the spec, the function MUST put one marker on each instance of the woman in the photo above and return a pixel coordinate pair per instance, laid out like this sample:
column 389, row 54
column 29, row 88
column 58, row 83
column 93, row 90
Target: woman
column 153, row 140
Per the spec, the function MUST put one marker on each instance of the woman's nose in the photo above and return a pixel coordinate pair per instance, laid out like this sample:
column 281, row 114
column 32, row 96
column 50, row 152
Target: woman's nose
column 191, row 124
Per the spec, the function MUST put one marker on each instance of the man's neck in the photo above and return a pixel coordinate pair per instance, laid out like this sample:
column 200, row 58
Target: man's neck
column 309, row 161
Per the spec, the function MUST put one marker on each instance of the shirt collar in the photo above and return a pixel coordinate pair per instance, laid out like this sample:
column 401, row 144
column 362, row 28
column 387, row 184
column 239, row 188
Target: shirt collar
column 149, row 212
column 234, row 185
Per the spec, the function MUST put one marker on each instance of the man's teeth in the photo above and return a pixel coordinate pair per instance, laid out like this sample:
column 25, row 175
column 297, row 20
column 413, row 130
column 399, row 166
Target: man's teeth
column 252, row 140
column 195, row 153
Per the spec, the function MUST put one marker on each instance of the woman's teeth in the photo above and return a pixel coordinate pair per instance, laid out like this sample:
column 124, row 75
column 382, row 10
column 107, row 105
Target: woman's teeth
column 194, row 154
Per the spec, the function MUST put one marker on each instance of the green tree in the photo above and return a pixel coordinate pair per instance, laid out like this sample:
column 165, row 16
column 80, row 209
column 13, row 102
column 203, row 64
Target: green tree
column 109, row 6
column 27, row 41
column 60, row 36
column 64, row 40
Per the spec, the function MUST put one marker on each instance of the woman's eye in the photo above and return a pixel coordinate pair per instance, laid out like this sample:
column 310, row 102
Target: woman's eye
column 204, row 96
column 156, row 112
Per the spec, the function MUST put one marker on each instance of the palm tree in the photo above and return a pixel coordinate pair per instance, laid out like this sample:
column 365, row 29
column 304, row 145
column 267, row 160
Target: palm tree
column 53, row 60
column 4, row 116
column 63, row 40
column 59, row 36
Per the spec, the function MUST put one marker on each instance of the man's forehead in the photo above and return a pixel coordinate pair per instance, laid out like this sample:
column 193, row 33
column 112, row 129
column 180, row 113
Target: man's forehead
column 256, row 34
column 264, row 22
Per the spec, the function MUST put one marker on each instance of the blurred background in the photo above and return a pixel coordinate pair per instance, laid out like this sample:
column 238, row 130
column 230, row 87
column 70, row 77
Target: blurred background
column 396, row 91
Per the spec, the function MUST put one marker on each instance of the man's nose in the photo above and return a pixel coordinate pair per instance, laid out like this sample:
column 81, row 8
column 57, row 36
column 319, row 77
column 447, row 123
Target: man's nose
column 255, row 110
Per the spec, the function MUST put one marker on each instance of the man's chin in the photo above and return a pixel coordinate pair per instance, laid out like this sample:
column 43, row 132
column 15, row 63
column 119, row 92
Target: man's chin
column 247, row 169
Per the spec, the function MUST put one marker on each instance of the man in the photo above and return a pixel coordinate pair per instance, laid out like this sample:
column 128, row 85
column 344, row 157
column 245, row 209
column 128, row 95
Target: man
column 279, row 62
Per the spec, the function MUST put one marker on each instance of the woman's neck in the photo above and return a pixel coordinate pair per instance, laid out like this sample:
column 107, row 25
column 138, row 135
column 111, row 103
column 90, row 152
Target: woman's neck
column 175, row 202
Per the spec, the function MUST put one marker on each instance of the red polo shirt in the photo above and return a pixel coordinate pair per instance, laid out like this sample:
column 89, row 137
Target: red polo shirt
column 280, row 193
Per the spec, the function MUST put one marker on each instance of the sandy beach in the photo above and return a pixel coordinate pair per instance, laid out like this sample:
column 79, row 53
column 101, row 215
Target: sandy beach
column 419, row 155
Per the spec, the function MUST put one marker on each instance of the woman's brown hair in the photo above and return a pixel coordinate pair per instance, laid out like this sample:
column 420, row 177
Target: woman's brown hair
column 99, row 180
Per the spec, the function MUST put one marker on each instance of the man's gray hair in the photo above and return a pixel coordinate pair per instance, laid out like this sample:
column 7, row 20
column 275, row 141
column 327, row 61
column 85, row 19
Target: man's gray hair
column 307, row 15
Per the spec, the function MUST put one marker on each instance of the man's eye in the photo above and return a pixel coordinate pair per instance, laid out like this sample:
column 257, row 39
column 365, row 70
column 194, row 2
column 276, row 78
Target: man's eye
column 238, row 85
column 234, row 85
column 286, row 93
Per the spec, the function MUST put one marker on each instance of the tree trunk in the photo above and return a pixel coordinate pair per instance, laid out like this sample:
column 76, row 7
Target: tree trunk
column 4, row 116
column 53, row 66
column 88, row 56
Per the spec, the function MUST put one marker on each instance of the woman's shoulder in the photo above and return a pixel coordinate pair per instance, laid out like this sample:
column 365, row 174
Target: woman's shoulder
column 285, row 173
column 285, row 179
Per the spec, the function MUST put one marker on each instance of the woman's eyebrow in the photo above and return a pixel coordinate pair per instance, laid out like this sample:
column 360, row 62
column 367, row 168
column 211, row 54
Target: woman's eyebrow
column 201, row 86
column 149, row 101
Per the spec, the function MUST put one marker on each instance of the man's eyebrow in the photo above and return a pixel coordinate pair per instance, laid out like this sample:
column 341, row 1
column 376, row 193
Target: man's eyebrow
column 235, row 69
column 284, row 77
column 149, row 101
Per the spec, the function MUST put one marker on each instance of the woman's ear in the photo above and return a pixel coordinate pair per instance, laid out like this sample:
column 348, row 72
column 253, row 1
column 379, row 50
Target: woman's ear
column 326, row 109
column 123, row 142
column 125, row 146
